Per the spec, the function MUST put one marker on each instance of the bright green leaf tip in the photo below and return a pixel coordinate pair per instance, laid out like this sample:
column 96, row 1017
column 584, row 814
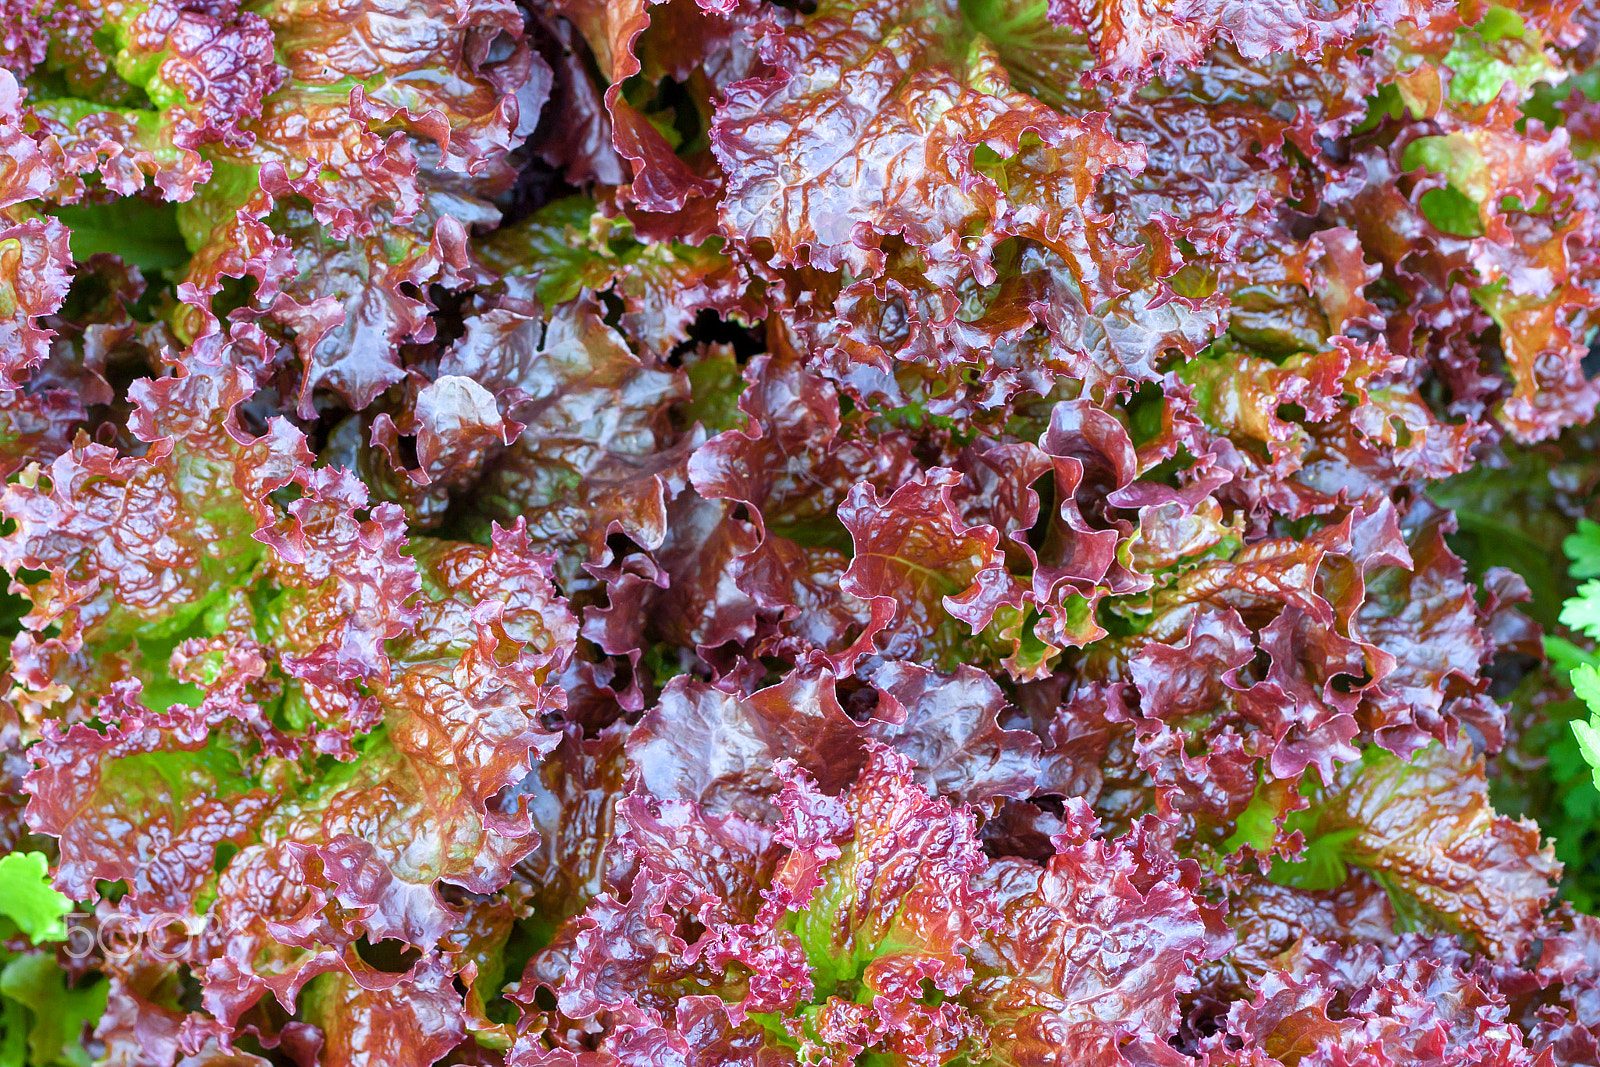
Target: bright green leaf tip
column 1586, row 683
column 28, row 899
column 1582, row 612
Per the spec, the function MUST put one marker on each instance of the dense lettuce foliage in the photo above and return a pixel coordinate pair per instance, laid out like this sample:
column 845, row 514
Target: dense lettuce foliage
column 719, row 533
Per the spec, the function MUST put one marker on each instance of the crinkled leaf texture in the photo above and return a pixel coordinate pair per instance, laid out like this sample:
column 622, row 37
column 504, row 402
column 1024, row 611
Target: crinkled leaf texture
column 713, row 533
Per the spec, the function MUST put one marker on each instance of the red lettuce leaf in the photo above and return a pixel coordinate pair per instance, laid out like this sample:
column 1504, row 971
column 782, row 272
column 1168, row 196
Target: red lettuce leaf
column 1089, row 957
